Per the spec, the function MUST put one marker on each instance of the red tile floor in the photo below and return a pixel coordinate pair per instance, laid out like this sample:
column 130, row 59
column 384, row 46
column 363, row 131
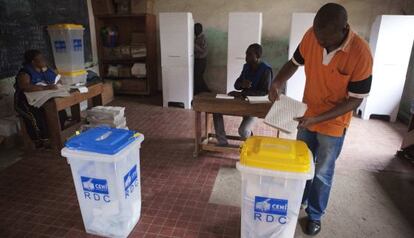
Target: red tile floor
column 38, row 196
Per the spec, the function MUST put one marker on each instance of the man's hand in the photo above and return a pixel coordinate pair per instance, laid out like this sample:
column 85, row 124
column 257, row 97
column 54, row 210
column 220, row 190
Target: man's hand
column 246, row 84
column 235, row 94
column 274, row 93
column 305, row 122
column 287, row 70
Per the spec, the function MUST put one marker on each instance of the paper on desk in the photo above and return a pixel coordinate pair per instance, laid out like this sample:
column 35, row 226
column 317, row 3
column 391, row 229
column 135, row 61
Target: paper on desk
column 258, row 99
column 38, row 98
column 83, row 89
column 282, row 113
column 80, row 88
column 224, row 96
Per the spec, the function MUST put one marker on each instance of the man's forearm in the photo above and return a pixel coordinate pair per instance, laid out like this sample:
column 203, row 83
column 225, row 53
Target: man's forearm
column 349, row 105
column 251, row 92
column 238, row 83
column 284, row 74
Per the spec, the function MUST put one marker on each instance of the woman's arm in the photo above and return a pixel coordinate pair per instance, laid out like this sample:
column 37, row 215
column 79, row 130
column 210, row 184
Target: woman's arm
column 23, row 80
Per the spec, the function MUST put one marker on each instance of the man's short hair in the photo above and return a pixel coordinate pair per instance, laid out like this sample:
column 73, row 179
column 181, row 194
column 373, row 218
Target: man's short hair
column 331, row 16
column 258, row 49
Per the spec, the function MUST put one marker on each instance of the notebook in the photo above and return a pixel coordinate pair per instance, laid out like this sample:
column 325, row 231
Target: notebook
column 224, row 96
column 282, row 113
column 258, row 99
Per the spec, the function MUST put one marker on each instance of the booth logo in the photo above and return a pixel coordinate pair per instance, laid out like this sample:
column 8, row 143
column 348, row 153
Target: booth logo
column 95, row 189
column 77, row 44
column 130, row 181
column 270, row 209
column 60, row 46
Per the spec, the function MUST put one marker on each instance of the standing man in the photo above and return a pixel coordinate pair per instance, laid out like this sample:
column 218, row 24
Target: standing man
column 200, row 59
column 338, row 67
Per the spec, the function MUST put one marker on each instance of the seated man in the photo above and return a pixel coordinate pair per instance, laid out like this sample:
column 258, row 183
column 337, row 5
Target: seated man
column 255, row 80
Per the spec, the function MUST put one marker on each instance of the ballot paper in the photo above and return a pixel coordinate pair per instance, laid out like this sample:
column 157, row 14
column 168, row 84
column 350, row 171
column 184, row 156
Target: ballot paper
column 38, row 98
column 224, row 96
column 258, row 99
column 80, row 88
column 283, row 112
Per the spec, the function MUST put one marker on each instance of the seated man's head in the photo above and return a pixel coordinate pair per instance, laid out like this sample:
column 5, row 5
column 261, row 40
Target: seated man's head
column 35, row 58
column 331, row 25
column 253, row 54
column 198, row 29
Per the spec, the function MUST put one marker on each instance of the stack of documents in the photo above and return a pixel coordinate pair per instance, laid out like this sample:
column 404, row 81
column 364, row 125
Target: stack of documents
column 38, row 98
column 107, row 116
column 283, row 112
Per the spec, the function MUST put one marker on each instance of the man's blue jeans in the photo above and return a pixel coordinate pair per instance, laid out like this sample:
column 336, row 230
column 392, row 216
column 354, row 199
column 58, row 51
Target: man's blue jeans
column 325, row 150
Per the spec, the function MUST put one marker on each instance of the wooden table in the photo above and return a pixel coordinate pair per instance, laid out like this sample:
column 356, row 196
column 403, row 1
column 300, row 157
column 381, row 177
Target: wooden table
column 208, row 103
column 53, row 106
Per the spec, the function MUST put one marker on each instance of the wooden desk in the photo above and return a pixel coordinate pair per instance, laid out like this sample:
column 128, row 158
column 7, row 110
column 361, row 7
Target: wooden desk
column 208, row 103
column 53, row 106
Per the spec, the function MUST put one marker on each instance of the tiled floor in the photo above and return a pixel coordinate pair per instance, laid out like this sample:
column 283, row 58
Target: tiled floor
column 38, row 196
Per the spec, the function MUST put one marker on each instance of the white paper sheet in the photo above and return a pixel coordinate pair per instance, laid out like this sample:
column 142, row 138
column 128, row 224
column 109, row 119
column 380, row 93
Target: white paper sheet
column 224, row 96
column 37, row 99
column 258, row 99
column 282, row 113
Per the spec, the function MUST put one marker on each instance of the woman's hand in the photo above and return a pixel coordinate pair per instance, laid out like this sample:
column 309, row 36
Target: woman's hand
column 51, row 87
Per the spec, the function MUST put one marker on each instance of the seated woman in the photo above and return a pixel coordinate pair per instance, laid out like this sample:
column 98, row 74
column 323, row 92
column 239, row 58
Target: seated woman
column 34, row 76
column 255, row 80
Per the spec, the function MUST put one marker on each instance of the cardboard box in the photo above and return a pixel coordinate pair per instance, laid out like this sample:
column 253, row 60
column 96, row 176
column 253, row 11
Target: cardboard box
column 142, row 6
column 101, row 7
column 107, row 93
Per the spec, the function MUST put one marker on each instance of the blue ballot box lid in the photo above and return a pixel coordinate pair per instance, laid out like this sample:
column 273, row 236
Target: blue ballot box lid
column 103, row 140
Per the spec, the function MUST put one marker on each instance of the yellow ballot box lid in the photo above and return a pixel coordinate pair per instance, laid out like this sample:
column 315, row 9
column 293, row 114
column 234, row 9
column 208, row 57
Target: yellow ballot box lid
column 276, row 154
column 75, row 73
column 65, row 26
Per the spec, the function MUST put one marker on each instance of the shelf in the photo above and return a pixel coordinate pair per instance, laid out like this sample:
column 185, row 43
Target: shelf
column 125, row 61
column 127, row 24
